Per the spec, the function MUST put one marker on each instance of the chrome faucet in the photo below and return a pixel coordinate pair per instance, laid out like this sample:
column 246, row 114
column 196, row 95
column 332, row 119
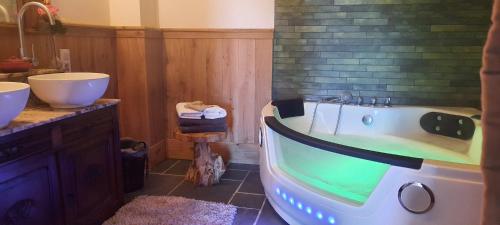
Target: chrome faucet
column 359, row 101
column 373, row 101
column 344, row 98
column 330, row 99
column 387, row 102
column 20, row 25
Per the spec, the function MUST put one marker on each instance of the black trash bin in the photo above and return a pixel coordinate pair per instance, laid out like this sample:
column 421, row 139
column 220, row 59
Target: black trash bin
column 134, row 163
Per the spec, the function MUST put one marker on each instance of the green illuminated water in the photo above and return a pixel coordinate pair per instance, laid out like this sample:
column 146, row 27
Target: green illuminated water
column 397, row 146
column 352, row 178
column 346, row 177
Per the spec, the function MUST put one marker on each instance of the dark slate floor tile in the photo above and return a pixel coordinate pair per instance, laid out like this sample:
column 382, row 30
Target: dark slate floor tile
column 156, row 185
column 163, row 166
column 252, row 184
column 180, row 168
column 240, row 166
column 248, row 200
column 221, row 192
column 234, row 174
column 245, row 216
column 269, row 217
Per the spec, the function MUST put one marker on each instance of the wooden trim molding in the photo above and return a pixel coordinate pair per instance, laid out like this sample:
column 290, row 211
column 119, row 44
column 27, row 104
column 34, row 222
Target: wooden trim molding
column 138, row 33
column 218, row 33
column 72, row 31
column 141, row 32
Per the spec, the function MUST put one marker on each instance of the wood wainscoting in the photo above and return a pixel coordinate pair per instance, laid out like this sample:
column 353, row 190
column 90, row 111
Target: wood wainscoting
column 92, row 49
column 230, row 68
column 139, row 57
column 151, row 70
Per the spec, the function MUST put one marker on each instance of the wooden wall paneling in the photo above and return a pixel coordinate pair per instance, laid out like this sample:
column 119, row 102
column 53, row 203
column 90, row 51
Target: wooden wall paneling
column 219, row 67
column 155, row 61
column 263, row 78
column 105, row 63
column 139, row 63
column 179, row 33
column 179, row 54
column 9, row 42
column 243, row 92
column 92, row 49
column 231, row 68
column 133, row 87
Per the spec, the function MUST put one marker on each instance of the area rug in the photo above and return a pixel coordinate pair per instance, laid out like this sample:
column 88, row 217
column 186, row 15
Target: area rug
column 170, row 210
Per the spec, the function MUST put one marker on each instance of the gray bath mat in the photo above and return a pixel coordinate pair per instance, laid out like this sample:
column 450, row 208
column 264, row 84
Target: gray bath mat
column 170, row 210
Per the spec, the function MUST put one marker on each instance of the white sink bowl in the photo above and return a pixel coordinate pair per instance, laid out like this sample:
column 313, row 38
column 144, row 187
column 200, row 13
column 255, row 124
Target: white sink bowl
column 69, row 90
column 13, row 99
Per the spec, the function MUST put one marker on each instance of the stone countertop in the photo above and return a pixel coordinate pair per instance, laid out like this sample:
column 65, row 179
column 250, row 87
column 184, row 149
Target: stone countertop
column 34, row 116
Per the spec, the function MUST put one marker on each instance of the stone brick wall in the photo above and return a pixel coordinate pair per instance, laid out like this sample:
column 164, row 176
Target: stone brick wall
column 419, row 52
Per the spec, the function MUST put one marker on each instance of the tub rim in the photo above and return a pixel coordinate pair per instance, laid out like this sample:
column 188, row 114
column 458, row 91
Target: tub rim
column 386, row 158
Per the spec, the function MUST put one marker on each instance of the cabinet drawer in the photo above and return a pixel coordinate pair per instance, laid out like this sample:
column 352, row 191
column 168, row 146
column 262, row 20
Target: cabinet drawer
column 91, row 125
column 25, row 144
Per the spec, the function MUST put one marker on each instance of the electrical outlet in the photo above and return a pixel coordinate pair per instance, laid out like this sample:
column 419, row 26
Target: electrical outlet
column 65, row 59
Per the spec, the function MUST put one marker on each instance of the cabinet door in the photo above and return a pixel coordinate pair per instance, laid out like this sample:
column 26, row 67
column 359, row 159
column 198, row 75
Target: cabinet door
column 88, row 166
column 29, row 192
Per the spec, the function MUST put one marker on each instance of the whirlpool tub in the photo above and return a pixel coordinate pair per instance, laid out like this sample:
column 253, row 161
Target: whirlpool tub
column 390, row 166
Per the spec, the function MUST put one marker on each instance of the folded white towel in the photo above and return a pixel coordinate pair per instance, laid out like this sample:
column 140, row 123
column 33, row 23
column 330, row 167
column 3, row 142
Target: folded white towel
column 214, row 112
column 186, row 113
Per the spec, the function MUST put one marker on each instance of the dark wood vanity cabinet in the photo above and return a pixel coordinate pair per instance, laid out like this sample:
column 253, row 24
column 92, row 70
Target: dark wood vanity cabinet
column 29, row 192
column 74, row 179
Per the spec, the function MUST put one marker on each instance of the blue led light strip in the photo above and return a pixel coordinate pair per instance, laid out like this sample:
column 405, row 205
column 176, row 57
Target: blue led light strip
column 308, row 209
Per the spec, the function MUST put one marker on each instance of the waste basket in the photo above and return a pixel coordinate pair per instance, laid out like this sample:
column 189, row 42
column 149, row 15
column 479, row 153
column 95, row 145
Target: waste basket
column 134, row 162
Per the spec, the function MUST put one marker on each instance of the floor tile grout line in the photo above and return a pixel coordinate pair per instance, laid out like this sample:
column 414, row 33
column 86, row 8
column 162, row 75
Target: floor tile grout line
column 239, row 186
column 155, row 173
column 176, row 186
column 246, row 208
column 240, row 170
column 248, row 193
column 169, row 174
column 174, row 175
column 230, row 179
column 260, row 212
column 172, row 166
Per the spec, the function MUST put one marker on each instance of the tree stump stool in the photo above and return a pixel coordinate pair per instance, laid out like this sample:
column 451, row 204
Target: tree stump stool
column 207, row 167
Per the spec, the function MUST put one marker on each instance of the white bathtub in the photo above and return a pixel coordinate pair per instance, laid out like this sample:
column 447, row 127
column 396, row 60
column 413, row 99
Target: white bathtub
column 390, row 172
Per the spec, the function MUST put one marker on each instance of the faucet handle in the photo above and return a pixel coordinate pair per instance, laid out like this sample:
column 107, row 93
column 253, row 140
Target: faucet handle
column 373, row 101
column 360, row 100
column 387, row 102
column 346, row 97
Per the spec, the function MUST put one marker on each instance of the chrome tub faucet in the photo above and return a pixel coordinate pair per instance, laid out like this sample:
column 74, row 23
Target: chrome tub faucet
column 387, row 102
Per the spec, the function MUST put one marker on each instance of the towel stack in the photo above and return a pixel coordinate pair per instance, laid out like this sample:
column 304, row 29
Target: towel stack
column 196, row 117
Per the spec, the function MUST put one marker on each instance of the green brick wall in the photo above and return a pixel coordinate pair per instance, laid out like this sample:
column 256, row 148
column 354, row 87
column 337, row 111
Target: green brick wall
column 419, row 52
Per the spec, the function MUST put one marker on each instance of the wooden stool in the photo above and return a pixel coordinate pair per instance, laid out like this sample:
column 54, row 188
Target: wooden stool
column 207, row 167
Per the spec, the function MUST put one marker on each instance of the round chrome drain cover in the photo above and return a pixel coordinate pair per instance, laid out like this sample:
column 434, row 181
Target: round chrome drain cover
column 416, row 198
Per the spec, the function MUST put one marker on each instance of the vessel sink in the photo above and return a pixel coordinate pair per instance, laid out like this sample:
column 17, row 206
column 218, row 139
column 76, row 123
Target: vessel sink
column 69, row 90
column 13, row 99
